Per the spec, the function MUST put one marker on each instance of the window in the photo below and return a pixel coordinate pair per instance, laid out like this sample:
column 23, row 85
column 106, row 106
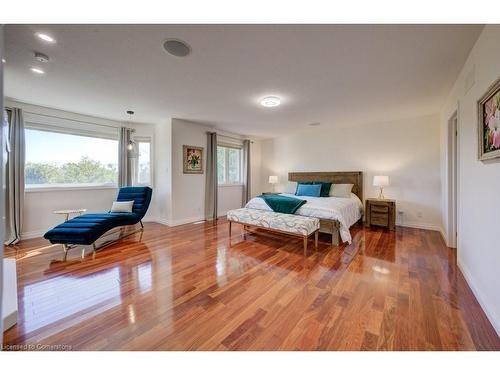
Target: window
column 142, row 168
column 228, row 165
column 63, row 159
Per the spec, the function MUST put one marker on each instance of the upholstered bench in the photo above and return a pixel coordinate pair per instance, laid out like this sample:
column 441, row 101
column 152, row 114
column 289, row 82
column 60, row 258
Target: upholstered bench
column 295, row 225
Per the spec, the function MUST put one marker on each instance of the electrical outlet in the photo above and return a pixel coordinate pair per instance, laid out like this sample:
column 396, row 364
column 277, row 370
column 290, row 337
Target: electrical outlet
column 401, row 213
column 419, row 214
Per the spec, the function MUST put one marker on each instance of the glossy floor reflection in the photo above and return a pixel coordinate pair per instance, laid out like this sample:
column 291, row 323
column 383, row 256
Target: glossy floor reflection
column 190, row 288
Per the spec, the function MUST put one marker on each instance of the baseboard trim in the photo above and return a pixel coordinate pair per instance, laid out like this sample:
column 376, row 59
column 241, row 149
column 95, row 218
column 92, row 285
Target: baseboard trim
column 150, row 219
column 421, row 226
column 161, row 221
column 175, row 223
column 472, row 285
column 33, row 234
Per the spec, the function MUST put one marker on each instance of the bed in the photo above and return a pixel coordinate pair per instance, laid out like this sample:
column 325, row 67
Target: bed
column 336, row 215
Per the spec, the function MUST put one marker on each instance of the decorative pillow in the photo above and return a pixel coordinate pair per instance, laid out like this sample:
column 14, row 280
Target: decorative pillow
column 325, row 187
column 122, row 206
column 341, row 190
column 309, row 190
column 290, row 187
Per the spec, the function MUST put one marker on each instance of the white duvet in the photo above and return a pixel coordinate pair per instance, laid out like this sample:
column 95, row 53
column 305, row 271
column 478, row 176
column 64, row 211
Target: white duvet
column 345, row 210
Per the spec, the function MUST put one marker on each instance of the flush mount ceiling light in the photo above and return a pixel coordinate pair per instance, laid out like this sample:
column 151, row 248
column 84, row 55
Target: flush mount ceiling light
column 4, row 61
column 37, row 71
column 270, row 101
column 177, row 47
column 45, row 37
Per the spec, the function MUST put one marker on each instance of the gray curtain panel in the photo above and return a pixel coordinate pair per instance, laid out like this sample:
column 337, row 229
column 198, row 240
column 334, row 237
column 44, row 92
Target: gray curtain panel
column 246, row 172
column 211, row 178
column 124, row 162
column 14, row 177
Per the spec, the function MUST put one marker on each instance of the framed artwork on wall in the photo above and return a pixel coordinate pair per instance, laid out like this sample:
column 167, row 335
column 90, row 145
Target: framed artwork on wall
column 192, row 159
column 489, row 123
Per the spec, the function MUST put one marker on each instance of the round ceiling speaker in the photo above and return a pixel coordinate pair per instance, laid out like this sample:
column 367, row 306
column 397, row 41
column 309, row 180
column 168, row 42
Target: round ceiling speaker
column 41, row 57
column 177, row 47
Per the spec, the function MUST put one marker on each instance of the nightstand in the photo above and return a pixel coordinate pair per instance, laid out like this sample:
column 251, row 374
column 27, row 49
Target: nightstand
column 381, row 212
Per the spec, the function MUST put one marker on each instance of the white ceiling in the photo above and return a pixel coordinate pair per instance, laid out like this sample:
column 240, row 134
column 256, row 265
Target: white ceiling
column 323, row 73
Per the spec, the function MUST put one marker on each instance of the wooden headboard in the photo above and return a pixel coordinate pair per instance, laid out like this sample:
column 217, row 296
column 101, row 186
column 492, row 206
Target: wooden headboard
column 355, row 178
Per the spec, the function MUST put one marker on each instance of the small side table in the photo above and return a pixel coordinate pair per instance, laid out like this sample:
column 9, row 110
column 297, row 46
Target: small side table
column 67, row 213
column 381, row 212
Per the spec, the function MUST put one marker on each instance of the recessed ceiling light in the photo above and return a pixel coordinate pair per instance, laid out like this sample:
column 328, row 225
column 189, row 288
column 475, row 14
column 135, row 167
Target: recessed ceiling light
column 45, row 37
column 315, row 124
column 270, row 101
column 4, row 61
column 37, row 71
column 177, row 47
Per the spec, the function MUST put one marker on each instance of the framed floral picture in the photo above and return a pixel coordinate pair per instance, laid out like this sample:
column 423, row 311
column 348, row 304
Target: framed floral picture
column 489, row 123
column 193, row 159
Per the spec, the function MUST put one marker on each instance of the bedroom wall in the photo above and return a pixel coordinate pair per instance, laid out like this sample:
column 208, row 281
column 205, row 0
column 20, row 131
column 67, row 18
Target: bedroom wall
column 162, row 198
column 478, row 182
column 406, row 150
column 188, row 190
column 38, row 210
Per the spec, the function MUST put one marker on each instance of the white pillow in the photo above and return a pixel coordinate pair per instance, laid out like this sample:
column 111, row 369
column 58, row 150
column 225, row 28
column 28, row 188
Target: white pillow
column 123, row 206
column 341, row 190
column 290, row 187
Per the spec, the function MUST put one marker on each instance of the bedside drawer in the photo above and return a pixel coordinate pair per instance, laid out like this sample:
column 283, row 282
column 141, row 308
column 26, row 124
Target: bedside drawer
column 380, row 220
column 381, row 212
column 381, row 209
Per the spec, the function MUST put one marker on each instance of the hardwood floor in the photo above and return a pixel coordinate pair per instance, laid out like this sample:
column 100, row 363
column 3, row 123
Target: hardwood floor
column 185, row 288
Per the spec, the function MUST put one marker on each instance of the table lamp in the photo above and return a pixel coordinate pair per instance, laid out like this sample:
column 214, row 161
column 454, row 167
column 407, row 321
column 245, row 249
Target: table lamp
column 381, row 181
column 273, row 180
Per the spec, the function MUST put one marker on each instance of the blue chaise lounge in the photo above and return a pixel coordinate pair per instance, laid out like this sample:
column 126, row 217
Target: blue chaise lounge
column 86, row 229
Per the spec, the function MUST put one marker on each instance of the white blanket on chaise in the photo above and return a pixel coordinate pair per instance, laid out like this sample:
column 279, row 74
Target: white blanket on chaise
column 345, row 210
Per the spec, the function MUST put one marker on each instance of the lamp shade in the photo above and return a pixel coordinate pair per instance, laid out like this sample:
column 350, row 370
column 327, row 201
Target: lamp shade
column 273, row 179
column 380, row 181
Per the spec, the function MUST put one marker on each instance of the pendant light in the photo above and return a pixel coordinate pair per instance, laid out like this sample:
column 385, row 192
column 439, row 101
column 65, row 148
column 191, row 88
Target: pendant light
column 131, row 143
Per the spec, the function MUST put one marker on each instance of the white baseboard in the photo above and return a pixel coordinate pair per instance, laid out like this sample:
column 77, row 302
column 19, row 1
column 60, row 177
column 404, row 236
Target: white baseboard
column 175, row 223
column 420, row 226
column 150, row 219
column 482, row 301
column 427, row 227
column 161, row 221
column 33, row 234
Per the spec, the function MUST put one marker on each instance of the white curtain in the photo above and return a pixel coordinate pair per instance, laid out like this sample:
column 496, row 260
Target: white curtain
column 124, row 160
column 246, row 172
column 14, row 177
column 211, row 186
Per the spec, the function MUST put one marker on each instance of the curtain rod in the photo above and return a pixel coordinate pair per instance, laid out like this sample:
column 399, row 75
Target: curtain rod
column 227, row 136
column 68, row 119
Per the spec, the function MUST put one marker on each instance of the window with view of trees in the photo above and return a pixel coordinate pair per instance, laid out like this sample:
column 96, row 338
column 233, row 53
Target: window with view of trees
column 56, row 159
column 228, row 165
